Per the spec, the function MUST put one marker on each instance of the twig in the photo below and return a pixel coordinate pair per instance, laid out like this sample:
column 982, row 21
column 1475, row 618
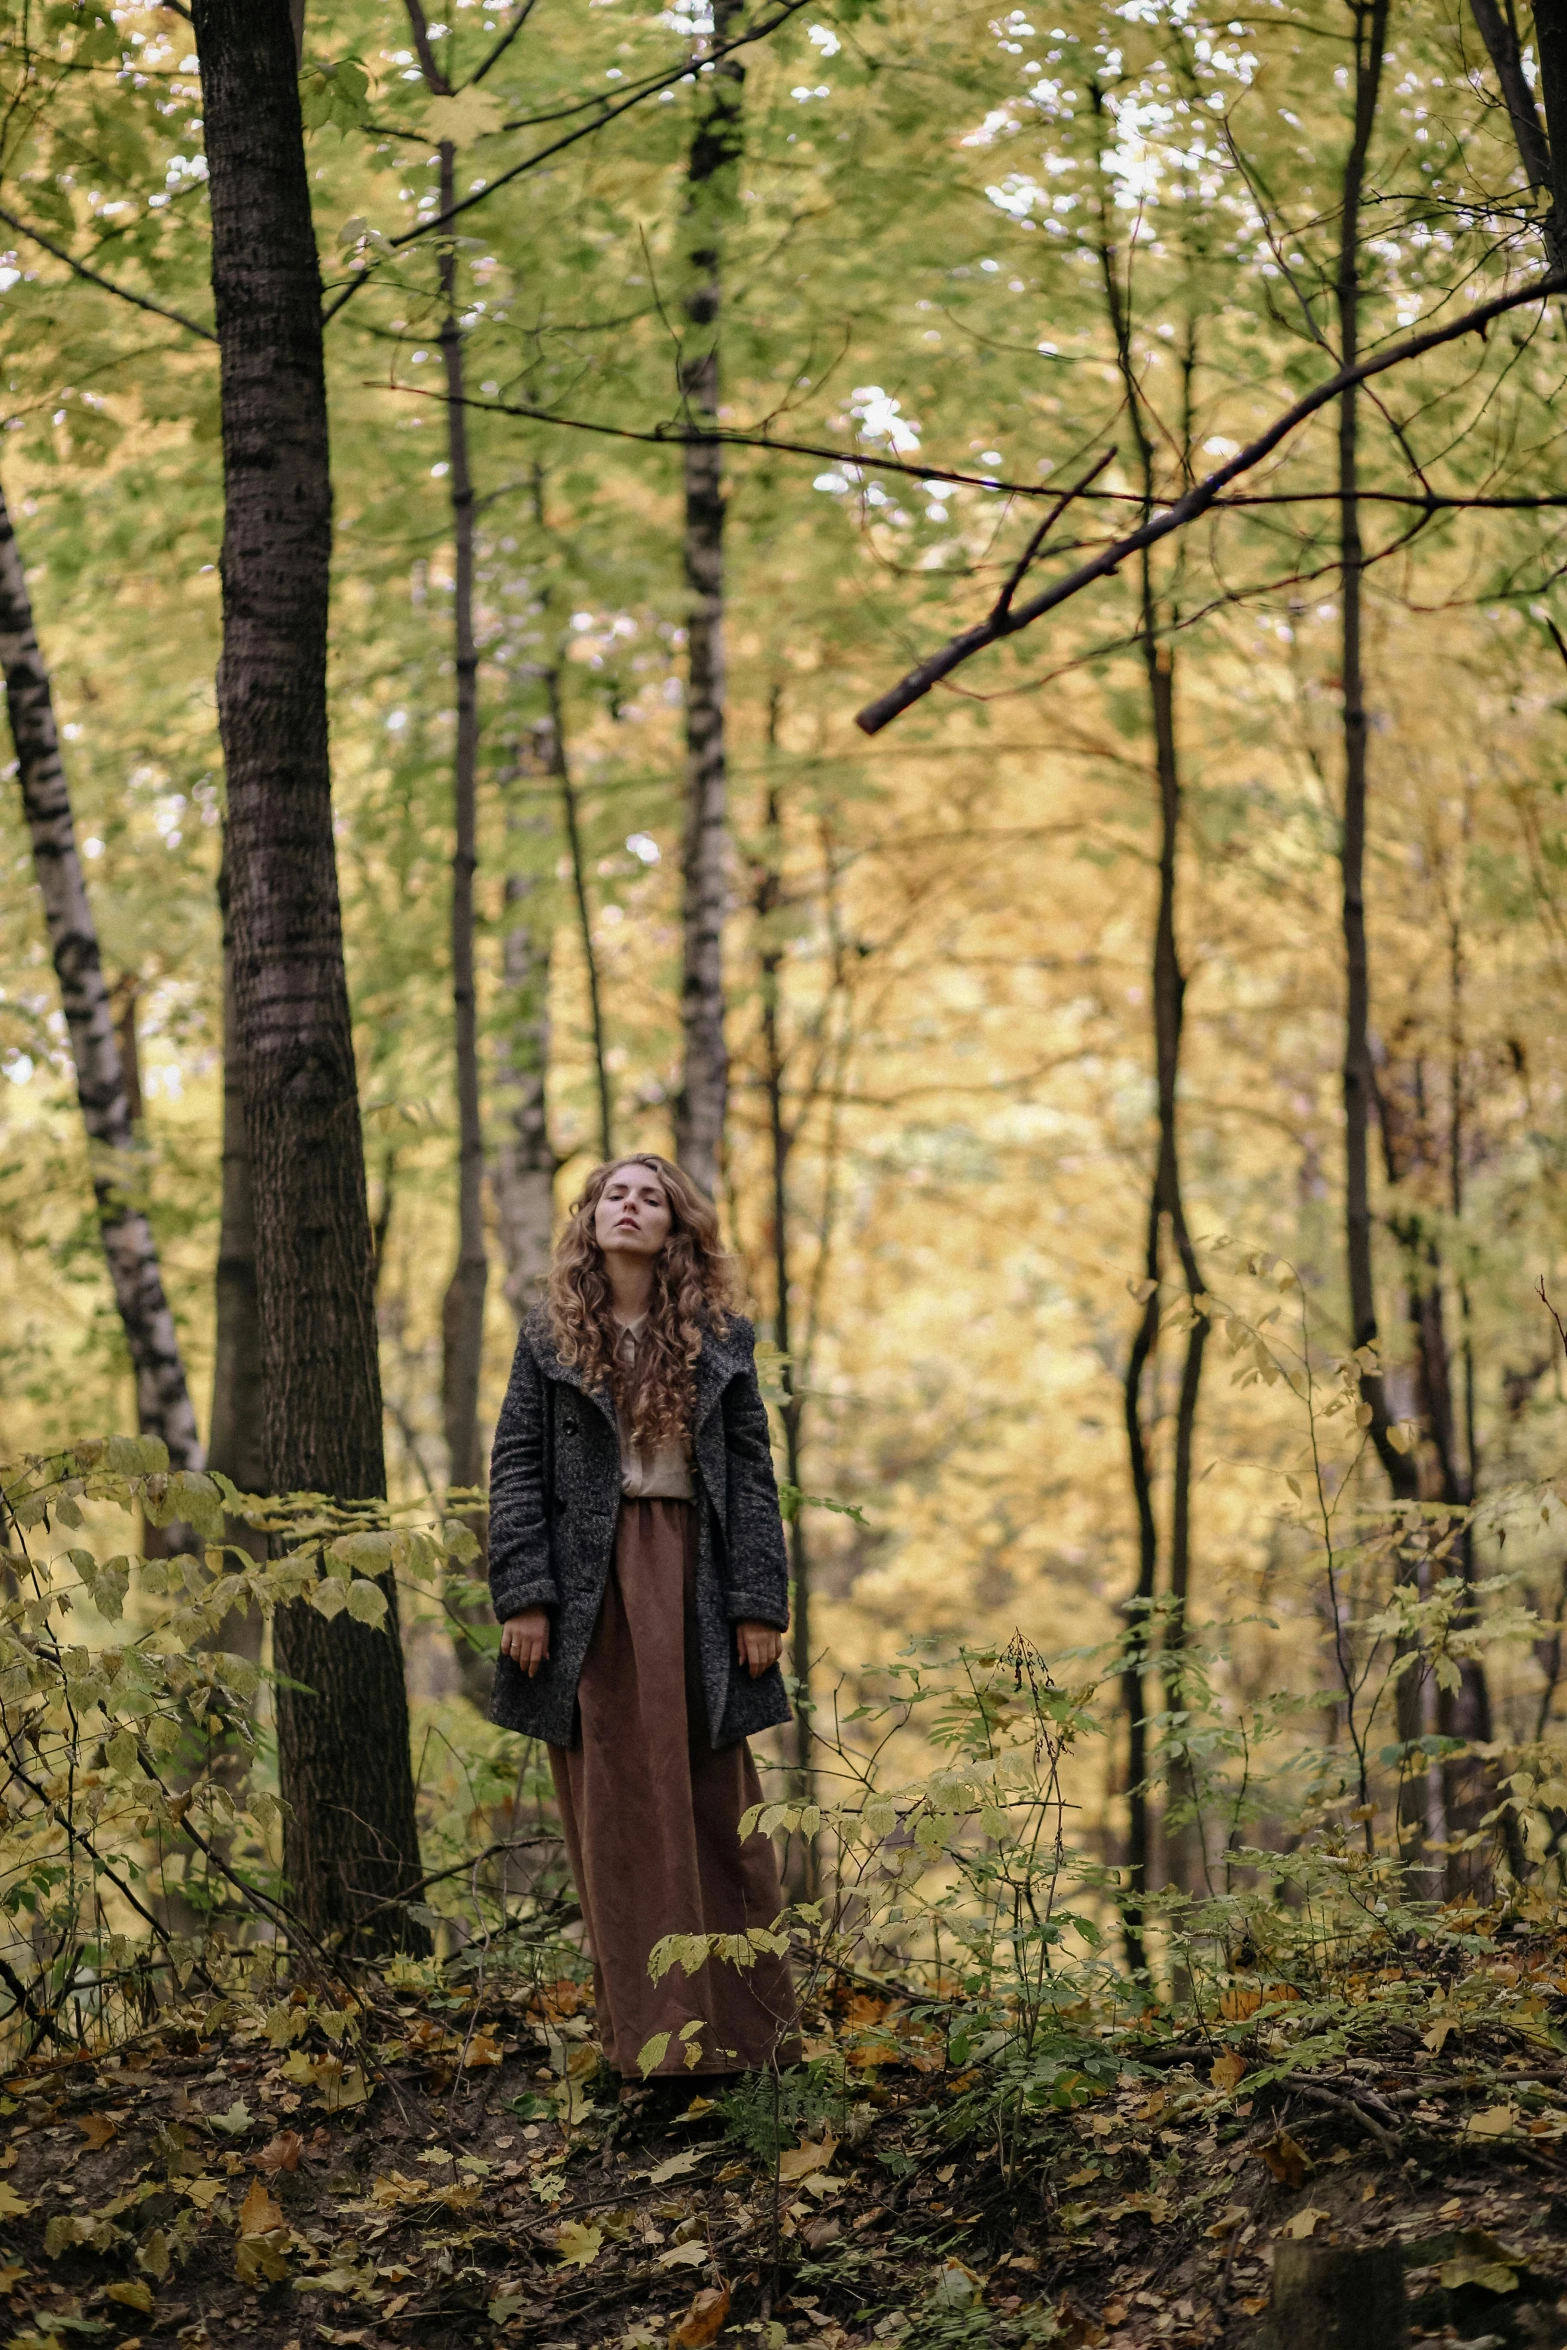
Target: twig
column 96, row 278
column 1003, row 603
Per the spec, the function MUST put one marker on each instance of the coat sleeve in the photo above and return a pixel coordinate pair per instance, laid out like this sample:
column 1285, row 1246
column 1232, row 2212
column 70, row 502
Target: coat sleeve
column 521, row 1572
column 756, row 1580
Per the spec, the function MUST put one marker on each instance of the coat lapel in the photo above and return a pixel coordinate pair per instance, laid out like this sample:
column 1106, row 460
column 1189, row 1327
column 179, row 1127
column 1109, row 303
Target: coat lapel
column 716, row 1366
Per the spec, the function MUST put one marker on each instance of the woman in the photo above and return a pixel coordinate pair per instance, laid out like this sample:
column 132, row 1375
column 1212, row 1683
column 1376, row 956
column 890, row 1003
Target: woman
column 637, row 1566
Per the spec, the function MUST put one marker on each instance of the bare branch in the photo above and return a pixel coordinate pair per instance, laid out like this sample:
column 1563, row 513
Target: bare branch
column 1019, row 572
column 1207, row 493
column 94, row 278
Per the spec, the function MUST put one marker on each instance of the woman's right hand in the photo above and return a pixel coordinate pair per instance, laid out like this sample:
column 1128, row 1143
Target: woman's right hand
column 526, row 1639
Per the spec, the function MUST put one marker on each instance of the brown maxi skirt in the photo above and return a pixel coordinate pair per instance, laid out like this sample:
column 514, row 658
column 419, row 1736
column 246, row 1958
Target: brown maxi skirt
column 651, row 1819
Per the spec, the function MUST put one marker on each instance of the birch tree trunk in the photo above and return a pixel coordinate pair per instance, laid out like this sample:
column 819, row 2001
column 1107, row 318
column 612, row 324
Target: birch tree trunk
column 710, row 198
column 163, row 1405
column 350, row 1847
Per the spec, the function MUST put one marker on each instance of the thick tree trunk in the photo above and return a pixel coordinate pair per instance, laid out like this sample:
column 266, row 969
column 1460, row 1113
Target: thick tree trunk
column 710, row 182
column 163, row 1405
column 350, row 1844
column 462, row 1313
column 523, row 1166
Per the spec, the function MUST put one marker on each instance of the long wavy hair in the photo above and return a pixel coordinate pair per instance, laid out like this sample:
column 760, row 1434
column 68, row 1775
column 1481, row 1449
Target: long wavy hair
column 693, row 1291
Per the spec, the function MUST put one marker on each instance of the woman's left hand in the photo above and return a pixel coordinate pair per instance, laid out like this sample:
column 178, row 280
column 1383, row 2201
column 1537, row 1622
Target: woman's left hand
column 758, row 1646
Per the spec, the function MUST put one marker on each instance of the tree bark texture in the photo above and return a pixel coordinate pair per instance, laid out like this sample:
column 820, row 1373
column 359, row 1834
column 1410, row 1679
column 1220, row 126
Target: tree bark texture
column 710, row 199
column 1336, row 2297
column 523, row 1166
column 350, row 1845
column 462, row 1311
column 1370, row 52
column 163, row 1404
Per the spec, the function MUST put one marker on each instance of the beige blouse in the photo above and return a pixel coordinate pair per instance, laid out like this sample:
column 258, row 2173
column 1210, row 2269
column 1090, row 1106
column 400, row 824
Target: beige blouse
column 664, row 1473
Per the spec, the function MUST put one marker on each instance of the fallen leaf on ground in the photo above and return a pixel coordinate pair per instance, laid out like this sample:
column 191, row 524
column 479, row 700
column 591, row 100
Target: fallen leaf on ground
column 822, row 2232
column 1225, row 2071
column 1227, row 2221
column 96, row 2128
column 281, row 2152
column 258, row 2214
column 692, row 2255
column 956, row 2287
column 483, row 2049
column 1288, row 2161
column 260, row 2260
column 811, row 2154
column 203, row 2189
column 675, row 2168
column 235, row 2121
column 578, row 2246
column 132, row 2293
column 1494, row 2122
column 12, row 2205
column 703, row 2320
column 1304, row 2223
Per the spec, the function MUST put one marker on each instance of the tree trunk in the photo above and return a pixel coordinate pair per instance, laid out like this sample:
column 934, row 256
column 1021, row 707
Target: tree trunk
column 462, row 1312
column 1166, row 1205
column 350, row 1847
column 572, row 815
column 710, row 197
column 768, row 900
column 1370, row 50
column 163, row 1405
column 523, row 1166
column 1336, row 2297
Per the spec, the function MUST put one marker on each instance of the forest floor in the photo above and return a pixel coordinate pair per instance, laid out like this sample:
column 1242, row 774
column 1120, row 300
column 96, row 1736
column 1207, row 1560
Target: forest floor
column 234, row 2176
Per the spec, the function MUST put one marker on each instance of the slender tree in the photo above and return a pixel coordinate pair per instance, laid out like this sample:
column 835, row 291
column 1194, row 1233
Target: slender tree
column 710, row 199
column 350, row 1844
column 163, row 1404
column 523, row 1164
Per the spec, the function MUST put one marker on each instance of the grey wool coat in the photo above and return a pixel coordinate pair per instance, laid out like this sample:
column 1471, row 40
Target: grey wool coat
column 554, row 1501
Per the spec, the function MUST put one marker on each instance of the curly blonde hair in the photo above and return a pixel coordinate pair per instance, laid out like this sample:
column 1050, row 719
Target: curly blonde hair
column 693, row 1291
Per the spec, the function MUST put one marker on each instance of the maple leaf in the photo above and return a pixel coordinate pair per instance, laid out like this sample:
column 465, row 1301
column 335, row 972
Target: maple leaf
column 96, row 2128
column 811, row 2154
column 258, row 2214
column 12, row 2205
column 1228, row 2070
column 578, row 2245
column 281, row 2152
column 692, row 2255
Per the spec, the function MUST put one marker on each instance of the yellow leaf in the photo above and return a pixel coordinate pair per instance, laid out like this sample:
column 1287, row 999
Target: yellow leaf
column 578, row 2246
column 1494, row 2122
column 1227, row 2070
column 1305, row 2223
column 203, row 2190
column 811, row 2154
column 472, row 114
column 132, row 2293
column 258, row 2214
column 96, row 2128
column 260, row 2260
column 12, row 2205
column 692, row 2255
column 676, row 2167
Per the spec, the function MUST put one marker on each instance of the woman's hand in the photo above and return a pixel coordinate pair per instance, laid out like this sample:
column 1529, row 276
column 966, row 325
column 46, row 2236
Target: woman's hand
column 758, row 1646
column 526, row 1638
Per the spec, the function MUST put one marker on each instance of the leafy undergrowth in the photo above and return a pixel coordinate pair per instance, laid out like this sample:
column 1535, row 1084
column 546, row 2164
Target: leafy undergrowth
column 450, row 2165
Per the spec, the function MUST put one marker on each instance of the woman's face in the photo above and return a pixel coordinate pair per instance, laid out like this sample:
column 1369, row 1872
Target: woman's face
column 632, row 1213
